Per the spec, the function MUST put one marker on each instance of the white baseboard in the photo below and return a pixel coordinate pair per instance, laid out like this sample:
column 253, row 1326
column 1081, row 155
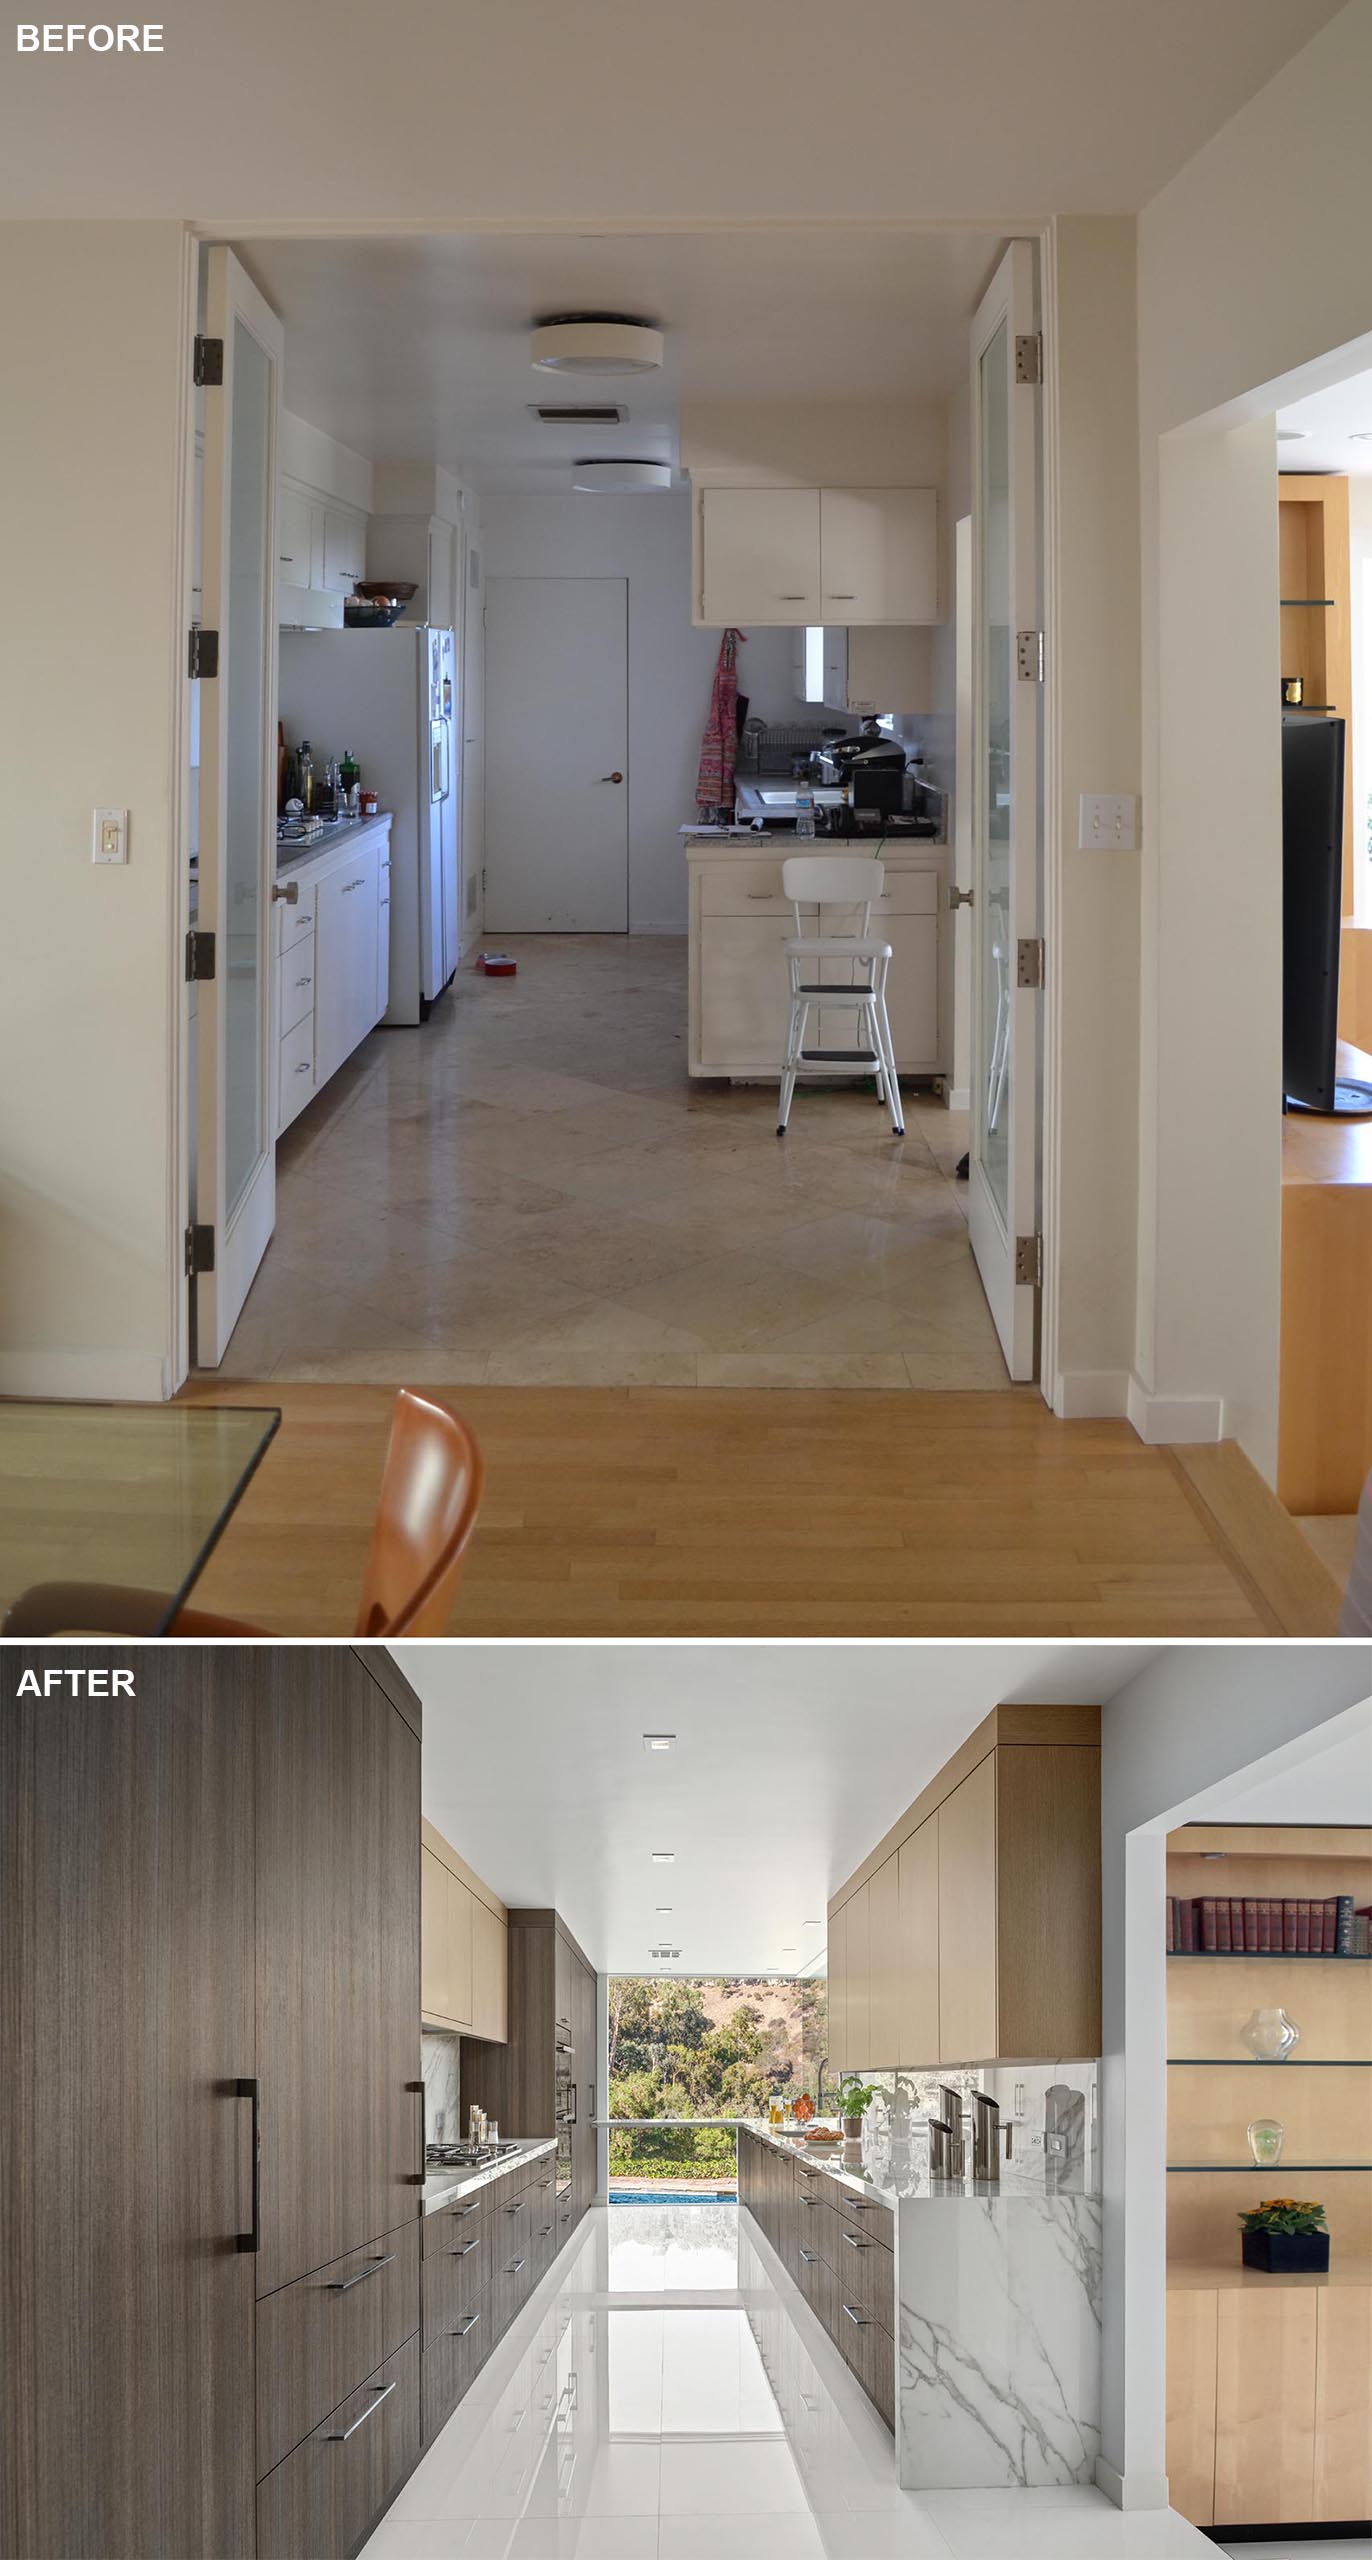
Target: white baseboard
column 1136, row 2490
column 958, row 1097
column 92, row 1377
column 1160, row 1420
column 1083, row 1395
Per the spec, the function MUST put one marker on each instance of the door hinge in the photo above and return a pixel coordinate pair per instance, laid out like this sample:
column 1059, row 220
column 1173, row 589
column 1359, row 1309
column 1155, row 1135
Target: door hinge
column 1029, row 357
column 1029, row 1262
column 199, row 1251
column 1029, row 963
column 199, row 957
column 1029, row 656
column 202, row 657
column 207, row 371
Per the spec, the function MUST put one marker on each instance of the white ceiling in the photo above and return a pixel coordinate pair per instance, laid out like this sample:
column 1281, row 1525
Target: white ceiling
column 790, row 1764
column 1330, row 422
column 416, row 350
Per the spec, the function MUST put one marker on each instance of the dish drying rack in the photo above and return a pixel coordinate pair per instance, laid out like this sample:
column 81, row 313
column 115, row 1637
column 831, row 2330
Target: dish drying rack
column 771, row 747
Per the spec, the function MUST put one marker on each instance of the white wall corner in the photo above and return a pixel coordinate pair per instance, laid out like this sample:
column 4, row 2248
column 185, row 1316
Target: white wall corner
column 1160, row 1420
column 89, row 1377
column 1135, row 2489
column 1082, row 1395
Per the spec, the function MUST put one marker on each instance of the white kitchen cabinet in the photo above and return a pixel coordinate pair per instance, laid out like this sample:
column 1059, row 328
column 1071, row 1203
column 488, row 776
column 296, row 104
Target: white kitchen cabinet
column 760, row 556
column 383, row 930
column 878, row 555
column 878, row 668
column 293, row 527
column 739, row 923
column 831, row 556
column 345, row 550
column 332, row 962
column 346, row 941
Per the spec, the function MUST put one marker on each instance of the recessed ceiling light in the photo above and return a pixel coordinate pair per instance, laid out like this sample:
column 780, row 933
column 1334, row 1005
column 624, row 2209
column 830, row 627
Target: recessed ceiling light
column 1294, row 435
column 1360, row 435
column 615, row 479
column 790, row 1951
column 595, row 342
column 659, row 1742
column 664, row 1857
column 663, row 1910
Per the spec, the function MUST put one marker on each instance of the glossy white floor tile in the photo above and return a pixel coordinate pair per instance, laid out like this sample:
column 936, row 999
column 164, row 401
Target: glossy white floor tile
column 666, row 2395
column 531, row 1191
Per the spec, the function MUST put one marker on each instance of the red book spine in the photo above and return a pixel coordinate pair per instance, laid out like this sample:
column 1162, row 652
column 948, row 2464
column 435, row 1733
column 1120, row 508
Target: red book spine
column 1209, row 1925
column 1302, row 1926
column 1331, row 1925
column 1289, row 1927
column 1250, row 1925
column 1188, row 1928
column 1264, row 1928
column 1224, row 1942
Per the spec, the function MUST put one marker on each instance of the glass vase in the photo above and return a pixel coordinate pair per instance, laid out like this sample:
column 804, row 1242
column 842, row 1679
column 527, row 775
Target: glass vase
column 1265, row 2139
column 1270, row 2035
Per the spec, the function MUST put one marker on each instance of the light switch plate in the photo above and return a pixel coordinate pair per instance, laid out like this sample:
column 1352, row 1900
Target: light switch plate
column 110, row 836
column 1109, row 822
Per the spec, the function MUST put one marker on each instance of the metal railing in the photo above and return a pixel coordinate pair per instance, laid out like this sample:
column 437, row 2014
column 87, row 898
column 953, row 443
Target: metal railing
column 673, row 2153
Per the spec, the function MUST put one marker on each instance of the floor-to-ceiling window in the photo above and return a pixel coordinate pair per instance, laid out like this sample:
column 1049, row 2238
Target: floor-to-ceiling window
column 685, row 2053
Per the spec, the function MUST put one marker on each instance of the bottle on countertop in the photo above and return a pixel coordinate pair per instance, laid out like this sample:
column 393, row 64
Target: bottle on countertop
column 350, row 776
column 805, row 811
column 305, row 787
column 326, row 789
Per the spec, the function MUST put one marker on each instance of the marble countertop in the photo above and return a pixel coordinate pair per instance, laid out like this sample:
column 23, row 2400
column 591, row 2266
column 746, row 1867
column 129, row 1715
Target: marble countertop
column 349, row 831
column 903, row 2175
column 444, row 2186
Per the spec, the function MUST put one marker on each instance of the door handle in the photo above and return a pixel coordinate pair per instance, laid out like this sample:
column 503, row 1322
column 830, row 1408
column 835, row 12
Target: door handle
column 960, row 897
column 288, row 889
column 251, row 2240
column 340, row 2435
column 612, row 777
column 417, row 2090
column 362, row 2274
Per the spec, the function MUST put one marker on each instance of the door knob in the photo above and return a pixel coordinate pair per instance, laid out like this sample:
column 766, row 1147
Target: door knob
column 612, row 777
column 961, row 897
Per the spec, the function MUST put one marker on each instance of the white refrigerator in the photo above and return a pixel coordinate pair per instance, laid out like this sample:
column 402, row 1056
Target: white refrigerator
column 391, row 697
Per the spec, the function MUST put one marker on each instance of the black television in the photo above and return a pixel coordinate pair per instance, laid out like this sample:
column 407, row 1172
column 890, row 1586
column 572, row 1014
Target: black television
column 1312, row 753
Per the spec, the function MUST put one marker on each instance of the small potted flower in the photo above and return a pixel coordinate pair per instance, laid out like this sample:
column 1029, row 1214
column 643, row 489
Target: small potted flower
column 1284, row 2237
column 854, row 2098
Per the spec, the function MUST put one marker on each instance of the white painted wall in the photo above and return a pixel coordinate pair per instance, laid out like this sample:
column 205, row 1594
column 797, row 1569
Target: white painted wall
column 1172, row 1742
column 1231, row 307
column 93, row 434
column 646, row 539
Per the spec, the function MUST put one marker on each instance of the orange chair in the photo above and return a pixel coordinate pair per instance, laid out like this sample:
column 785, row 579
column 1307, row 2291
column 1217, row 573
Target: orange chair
column 431, row 1488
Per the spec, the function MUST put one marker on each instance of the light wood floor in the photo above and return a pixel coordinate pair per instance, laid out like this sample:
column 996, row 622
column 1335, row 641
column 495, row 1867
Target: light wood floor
column 702, row 1512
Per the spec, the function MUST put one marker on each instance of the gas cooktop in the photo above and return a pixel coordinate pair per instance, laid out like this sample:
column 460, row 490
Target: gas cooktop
column 466, row 2155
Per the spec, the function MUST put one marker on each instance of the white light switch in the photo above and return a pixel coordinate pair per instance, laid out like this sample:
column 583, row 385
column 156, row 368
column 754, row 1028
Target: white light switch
column 110, row 836
column 1109, row 822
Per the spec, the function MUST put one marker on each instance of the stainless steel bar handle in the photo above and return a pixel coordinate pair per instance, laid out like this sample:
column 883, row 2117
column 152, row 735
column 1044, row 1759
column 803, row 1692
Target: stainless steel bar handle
column 287, row 889
column 851, row 2241
column 461, row 2211
column 857, row 2317
column 468, row 2325
column 545, row 2230
column 340, row 2435
column 362, row 2275
column 466, row 2249
column 516, row 2207
column 251, row 2240
column 809, row 2256
column 514, row 2270
column 417, row 2089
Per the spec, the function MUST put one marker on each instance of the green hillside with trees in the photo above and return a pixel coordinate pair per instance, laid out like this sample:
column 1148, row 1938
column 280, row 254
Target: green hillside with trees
column 684, row 2047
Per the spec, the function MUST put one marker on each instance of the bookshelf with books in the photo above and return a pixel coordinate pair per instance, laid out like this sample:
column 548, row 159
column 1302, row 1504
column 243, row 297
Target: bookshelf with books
column 1269, row 2406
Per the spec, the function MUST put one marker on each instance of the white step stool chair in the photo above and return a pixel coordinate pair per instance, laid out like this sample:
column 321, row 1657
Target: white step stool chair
column 847, row 881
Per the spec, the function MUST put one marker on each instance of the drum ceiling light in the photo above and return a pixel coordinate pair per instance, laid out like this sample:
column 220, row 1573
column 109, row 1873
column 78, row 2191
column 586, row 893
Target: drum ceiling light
column 608, row 477
column 595, row 342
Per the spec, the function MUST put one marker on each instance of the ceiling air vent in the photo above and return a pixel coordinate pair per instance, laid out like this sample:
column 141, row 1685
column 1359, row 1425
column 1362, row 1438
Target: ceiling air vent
column 665, row 1955
column 600, row 417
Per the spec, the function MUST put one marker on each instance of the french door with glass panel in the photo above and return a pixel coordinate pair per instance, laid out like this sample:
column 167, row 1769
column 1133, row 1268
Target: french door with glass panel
column 1007, row 826
column 235, row 1159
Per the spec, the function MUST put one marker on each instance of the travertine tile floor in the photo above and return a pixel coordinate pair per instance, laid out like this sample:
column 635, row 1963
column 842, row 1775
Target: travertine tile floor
column 530, row 1191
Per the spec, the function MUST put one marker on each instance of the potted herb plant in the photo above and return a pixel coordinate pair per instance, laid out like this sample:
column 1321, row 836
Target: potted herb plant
column 854, row 2099
column 1285, row 2237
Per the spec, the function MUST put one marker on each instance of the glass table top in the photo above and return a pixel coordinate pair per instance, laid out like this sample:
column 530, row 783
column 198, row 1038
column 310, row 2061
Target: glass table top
column 130, row 1498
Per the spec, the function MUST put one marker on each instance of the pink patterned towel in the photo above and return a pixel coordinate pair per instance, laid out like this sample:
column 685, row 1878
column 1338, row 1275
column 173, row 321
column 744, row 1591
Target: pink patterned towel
column 719, row 746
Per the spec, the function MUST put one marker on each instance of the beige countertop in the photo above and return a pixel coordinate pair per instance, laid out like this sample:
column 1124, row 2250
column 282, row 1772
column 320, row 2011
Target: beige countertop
column 1192, row 2275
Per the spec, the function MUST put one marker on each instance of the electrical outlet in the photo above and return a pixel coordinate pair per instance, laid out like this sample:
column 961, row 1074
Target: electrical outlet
column 110, row 836
column 1109, row 822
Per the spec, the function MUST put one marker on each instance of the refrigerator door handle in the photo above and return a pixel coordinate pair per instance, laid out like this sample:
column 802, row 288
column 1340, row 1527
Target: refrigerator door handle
column 438, row 761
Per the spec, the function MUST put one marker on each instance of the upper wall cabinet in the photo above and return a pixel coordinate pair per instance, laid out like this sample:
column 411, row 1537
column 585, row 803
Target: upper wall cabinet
column 321, row 547
column 464, row 1938
column 972, row 1933
column 849, row 556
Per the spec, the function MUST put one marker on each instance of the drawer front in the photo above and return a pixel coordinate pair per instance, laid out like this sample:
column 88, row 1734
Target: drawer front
column 817, row 2228
column 441, row 2230
column 512, row 2216
column 297, row 920
column 819, row 2284
column 873, row 2221
column 909, row 893
column 743, row 888
column 452, row 2362
column 297, row 1071
column 297, row 985
column 512, row 2285
column 866, row 2272
column 323, row 2499
column 869, row 2352
column 318, row 2339
column 456, row 2277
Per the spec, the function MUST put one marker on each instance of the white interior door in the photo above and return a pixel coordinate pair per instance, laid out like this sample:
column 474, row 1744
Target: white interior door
column 235, row 1145
column 1007, row 721
column 557, row 755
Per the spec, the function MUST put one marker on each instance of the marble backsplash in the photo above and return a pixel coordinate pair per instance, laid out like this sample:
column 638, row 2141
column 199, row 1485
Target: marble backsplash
column 440, row 2061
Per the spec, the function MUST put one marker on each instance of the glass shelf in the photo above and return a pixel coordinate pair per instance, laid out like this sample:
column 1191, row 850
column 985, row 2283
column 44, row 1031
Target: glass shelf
column 1311, row 604
column 1255, row 2169
column 1272, row 2062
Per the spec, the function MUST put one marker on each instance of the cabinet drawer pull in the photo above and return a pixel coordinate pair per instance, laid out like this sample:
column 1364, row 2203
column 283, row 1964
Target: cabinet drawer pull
column 857, row 2317
column 466, row 2249
column 305, row 1068
column 304, row 982
column 809, row 2256
column 755, row 894
column 851, row 2241
column 516, row 2207
column 545, row 2231
column 349, row 885
column 468, row 2325
column 811, row 2200
column 362, row 2274
column 461, row 2211
column 837, row 595
column 795, row 599
column 340, row 2435
column 514, row 2270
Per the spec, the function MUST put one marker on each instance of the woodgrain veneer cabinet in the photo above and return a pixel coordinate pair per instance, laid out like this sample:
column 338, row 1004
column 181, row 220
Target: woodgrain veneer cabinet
column 972, row 1932
column 464, row 1959
column 546, row 2068
column 209, row 1909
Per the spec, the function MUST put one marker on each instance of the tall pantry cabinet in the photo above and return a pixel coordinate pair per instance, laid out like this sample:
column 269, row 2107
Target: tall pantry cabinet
column 209, row 2000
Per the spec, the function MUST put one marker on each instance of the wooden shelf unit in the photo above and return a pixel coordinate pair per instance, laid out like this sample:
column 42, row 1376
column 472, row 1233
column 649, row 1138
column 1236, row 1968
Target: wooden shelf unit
column 1316, row 609
column 1269, row 2405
